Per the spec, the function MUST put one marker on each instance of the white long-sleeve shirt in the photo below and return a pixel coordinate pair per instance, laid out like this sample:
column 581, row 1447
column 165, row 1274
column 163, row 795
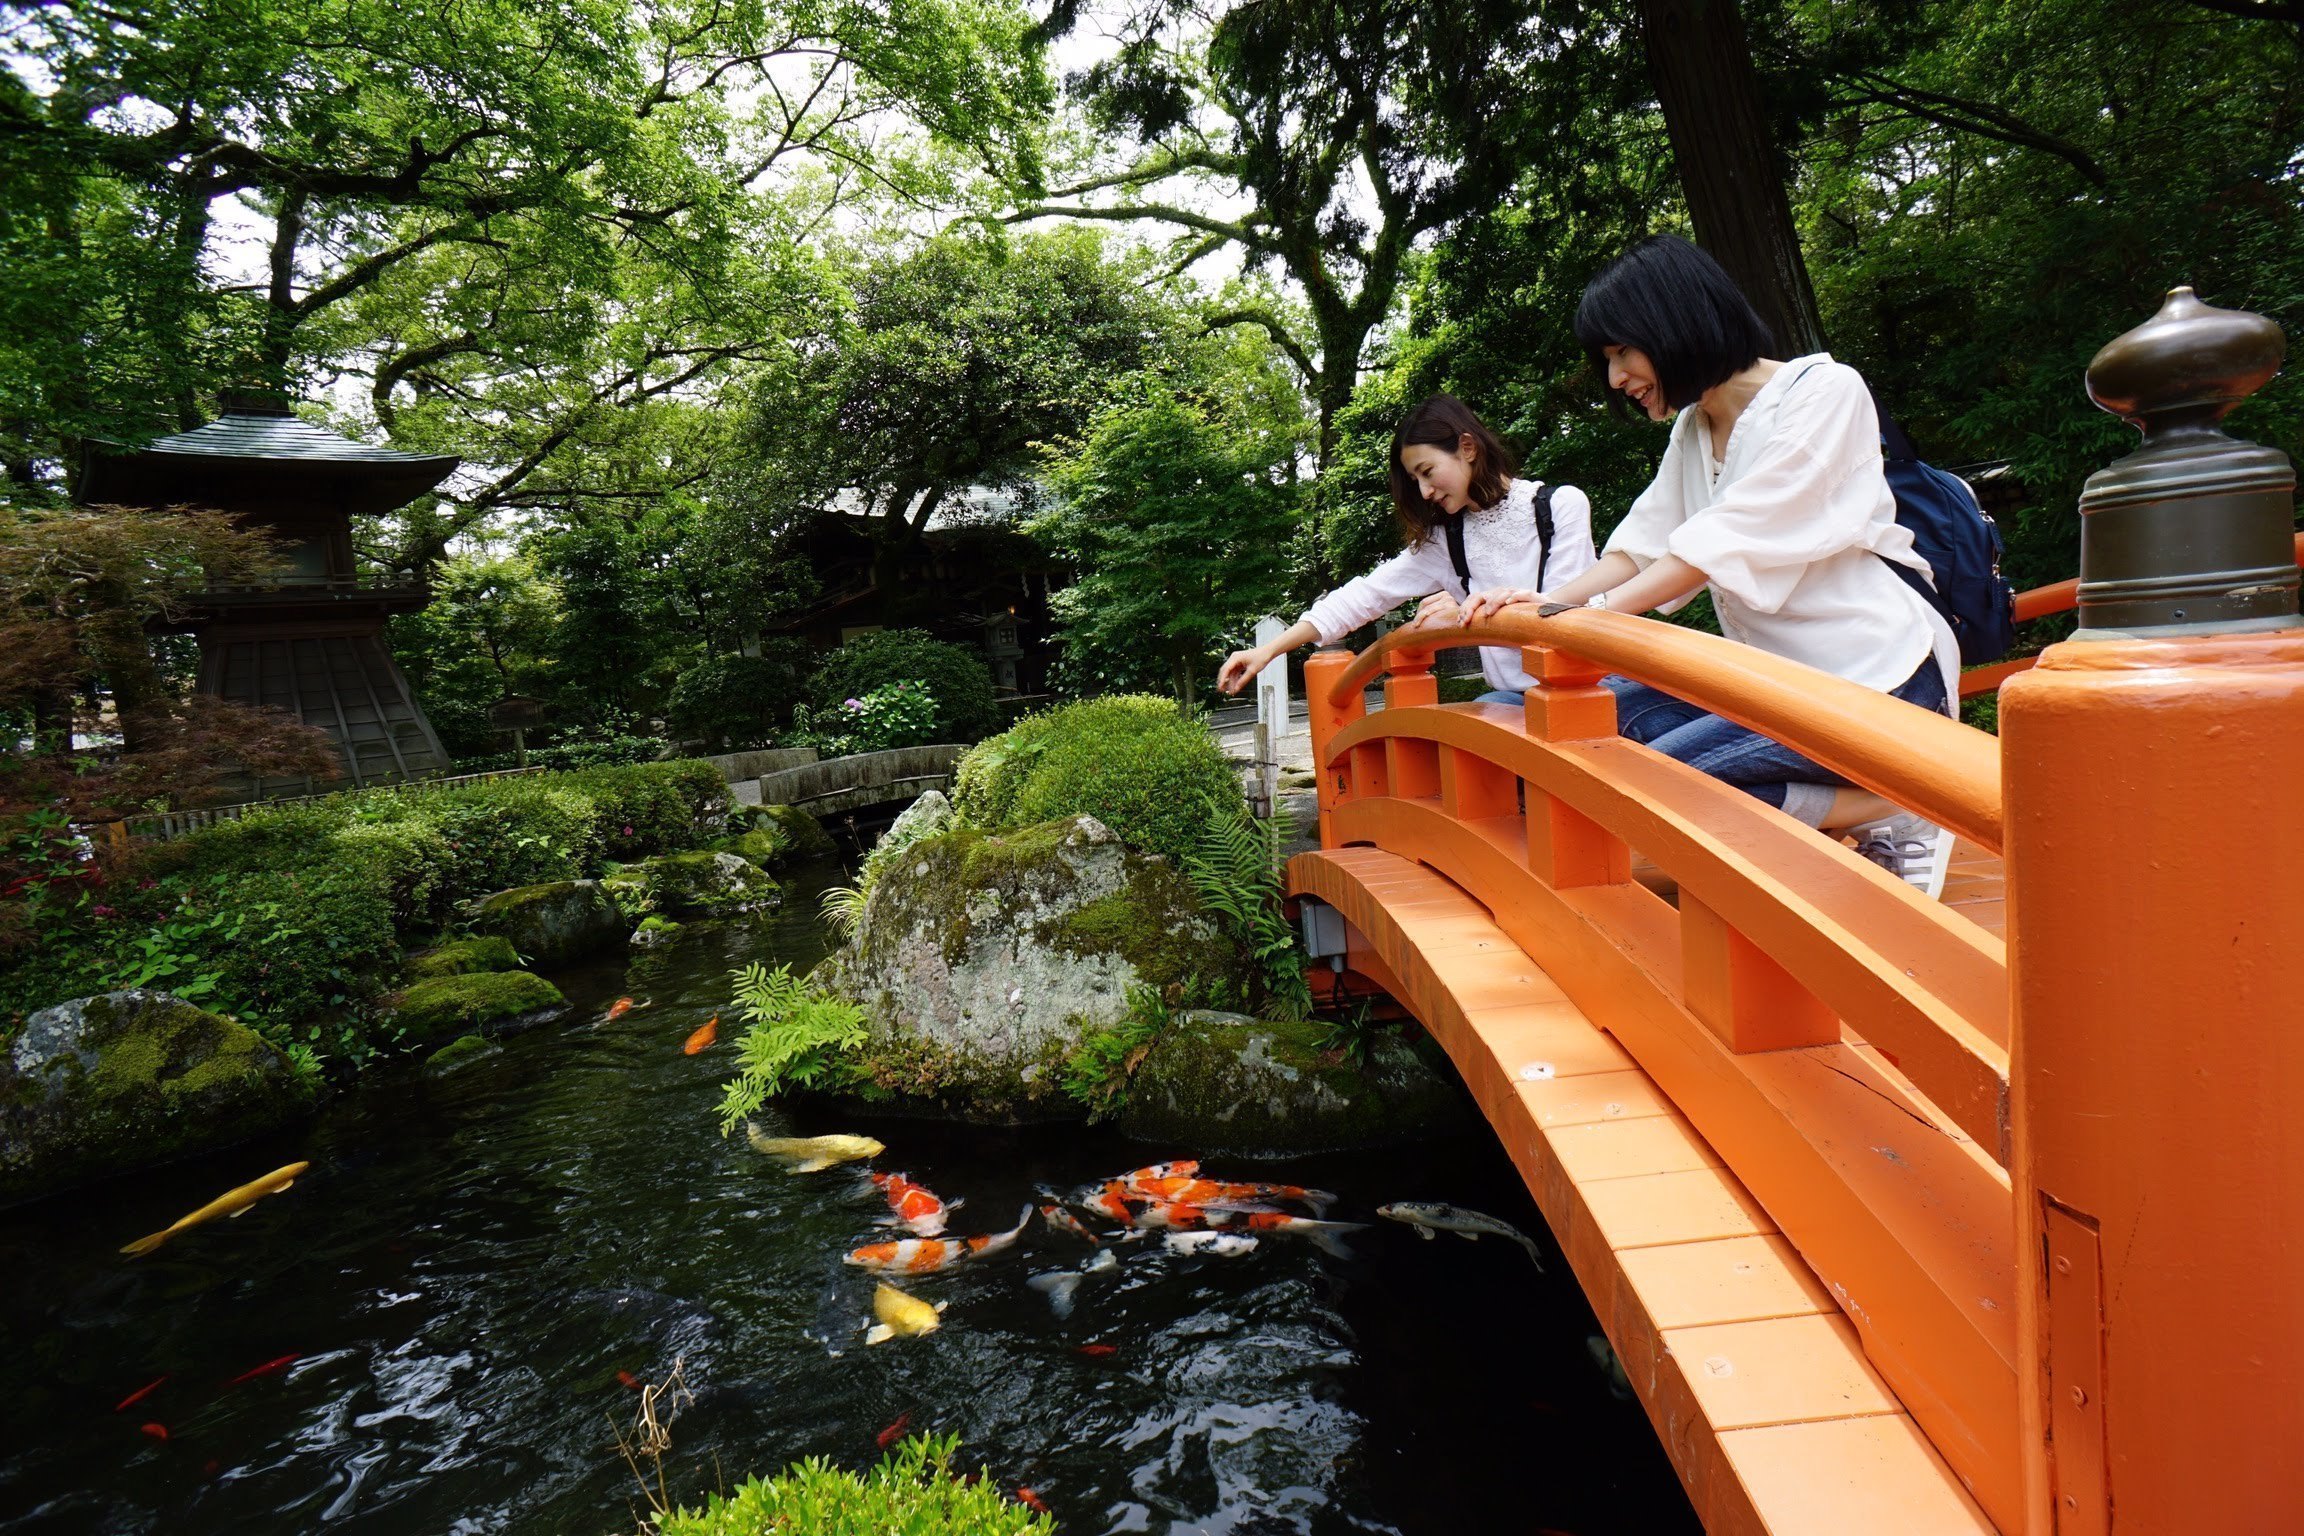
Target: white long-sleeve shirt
column 1787, row 528
column 1499, row 546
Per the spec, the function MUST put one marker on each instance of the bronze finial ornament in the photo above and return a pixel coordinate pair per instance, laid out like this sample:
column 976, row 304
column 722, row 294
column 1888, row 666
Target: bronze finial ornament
column 2194, row 531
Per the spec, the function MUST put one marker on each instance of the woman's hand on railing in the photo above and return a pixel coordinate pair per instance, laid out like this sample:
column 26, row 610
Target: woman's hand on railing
column 1495, row 600
column 1439, row 611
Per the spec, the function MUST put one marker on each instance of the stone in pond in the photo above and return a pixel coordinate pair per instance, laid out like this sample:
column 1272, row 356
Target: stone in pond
column 982, row 962
column 704, row 884
column 495, row 1002
column 555, row 924
column 1224, row 1084
column 125, row 1080
column 464, row 957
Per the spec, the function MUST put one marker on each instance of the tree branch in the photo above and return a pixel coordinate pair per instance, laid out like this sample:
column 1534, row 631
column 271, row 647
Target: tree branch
column 1250, row 314
column 1962, row 115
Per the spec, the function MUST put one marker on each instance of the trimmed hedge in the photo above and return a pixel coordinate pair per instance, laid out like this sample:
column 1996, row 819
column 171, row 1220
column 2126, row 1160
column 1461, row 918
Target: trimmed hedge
column 293, row 919
column 1129, row 760
column 955, row 676
column 737, row 701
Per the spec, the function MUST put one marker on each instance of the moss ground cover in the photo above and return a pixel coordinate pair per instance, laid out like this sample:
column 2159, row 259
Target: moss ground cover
column 294, row 920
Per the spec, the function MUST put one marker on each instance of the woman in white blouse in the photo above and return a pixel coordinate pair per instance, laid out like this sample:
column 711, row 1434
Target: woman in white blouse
column 1771, row 493
column 1446, row 464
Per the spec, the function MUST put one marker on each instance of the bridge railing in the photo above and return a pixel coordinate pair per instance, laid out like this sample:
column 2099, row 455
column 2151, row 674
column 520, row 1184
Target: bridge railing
column 2052, row 1187
column 1800, row 1006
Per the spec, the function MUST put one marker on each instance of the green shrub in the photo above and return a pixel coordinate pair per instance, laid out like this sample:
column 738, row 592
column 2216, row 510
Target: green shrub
column 1097, row 1070
column 1134, row 764
column 890, row 716
column 914, row 1491
column 955, row 676
column 798, row 1038
column 736, row 701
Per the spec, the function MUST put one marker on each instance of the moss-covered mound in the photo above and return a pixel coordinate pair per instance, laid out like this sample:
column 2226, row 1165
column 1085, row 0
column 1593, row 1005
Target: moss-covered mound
column 916, row 1490
column 496, row 1002
column 985, row 960
column 554, row 924
column 1131, row 761
column 1223, row 1083
column 464, row 957
column 781, row 836
column 124, row 1080
column 704, row 884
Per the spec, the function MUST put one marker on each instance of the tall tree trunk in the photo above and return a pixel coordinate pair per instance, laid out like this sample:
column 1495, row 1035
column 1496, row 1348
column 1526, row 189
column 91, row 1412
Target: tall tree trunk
column 1701, row 64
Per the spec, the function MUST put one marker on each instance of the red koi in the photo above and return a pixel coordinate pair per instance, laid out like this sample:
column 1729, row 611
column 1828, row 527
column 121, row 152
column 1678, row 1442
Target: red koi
column 888, row 1436
column 914, row 1204
column 1032, row 1502
column 1098, row 1351
column 619, row 1008
column 141, row 1393
column 703, row 1038
column 211, row 1467
column 266, row 1369
column 156, row 1431
column 627, row 1379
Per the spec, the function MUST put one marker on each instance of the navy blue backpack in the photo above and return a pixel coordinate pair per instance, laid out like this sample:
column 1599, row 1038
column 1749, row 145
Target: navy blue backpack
column 1957, row 538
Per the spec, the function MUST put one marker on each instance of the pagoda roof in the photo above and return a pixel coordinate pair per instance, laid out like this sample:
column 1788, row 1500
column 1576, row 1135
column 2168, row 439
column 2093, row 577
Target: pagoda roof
column 259, row 454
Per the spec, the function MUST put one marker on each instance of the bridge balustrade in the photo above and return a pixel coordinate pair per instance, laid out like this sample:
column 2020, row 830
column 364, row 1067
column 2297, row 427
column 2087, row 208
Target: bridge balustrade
column 2021, row 1179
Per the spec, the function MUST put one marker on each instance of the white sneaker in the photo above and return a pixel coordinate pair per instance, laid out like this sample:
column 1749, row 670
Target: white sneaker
column 1915, row 851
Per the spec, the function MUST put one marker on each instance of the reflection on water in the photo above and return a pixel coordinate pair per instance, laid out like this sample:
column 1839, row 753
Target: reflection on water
column 474, row 1258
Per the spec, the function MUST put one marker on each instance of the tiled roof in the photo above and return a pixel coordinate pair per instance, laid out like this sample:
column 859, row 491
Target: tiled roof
column 283, row 437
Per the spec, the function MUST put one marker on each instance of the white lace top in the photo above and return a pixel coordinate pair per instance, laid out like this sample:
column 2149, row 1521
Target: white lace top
column 1499, row 546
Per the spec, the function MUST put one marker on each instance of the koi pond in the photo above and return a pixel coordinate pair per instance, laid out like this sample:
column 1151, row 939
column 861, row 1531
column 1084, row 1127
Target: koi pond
column 434, row 1330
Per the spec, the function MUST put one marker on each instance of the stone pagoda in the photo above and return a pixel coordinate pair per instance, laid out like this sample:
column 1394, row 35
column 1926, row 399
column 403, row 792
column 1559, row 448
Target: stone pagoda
column 310, row 640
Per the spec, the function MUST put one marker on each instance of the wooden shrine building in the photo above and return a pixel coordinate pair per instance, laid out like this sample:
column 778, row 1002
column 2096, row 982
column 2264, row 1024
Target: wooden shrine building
column 309, row 641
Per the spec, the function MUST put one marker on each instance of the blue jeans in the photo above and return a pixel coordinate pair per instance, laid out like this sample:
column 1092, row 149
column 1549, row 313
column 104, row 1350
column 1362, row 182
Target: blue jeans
column 1728, row 752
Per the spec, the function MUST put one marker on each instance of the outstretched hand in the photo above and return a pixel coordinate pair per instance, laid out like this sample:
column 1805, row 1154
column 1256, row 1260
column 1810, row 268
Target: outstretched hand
column 1495, row 600
column 1238, row 669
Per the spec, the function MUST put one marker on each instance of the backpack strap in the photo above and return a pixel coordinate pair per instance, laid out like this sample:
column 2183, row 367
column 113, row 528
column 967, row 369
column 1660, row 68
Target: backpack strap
column 1452, row 525
column 1543, row 532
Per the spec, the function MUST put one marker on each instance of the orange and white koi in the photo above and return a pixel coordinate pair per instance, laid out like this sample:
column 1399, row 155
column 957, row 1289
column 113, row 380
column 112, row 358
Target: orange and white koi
column 1110, row 1201
column 1177, row 1216
column 1062, row 1220
column 619, row 1008
column 920, row 1255
column 914, row 1204
column 1182, row 1168
column 232, row 1202
column 1323, row 1234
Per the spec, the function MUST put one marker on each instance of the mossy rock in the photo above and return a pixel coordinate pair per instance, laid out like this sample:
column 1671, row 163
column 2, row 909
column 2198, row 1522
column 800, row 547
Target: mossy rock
column 983, row 961
column 103, row 1084
column 555, row 924
column 654, row 929
column 495, row 1002
column 461, row 1051
column 782, row 836
column 707, row 883
column 1223, row 1083
column 464, row 957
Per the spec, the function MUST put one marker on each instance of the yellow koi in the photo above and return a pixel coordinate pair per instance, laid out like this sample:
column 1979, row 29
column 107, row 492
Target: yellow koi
column 230, row 1203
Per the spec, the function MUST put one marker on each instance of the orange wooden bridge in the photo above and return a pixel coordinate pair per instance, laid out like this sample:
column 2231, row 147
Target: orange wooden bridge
column 1980, row 1215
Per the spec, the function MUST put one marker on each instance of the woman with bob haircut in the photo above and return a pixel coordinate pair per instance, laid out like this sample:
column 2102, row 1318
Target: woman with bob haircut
column 1771, row 493
column 1446, row 463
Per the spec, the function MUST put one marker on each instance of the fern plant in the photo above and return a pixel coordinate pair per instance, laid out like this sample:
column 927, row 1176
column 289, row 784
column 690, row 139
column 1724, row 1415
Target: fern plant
column 1237, row 873
column 1096, row 1072
column 798, row 1037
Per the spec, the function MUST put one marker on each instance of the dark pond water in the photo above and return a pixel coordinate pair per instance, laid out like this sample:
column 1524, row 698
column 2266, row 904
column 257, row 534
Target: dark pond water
column 474, row 1258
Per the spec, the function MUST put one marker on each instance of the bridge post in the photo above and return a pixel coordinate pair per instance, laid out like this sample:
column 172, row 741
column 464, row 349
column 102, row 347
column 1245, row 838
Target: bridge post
column 1321, row 670
column 2156, row 918
column 1565, row 847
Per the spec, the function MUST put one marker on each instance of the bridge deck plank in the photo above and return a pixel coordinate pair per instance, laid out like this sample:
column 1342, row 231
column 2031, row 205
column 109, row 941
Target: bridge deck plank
column 1755, row 1382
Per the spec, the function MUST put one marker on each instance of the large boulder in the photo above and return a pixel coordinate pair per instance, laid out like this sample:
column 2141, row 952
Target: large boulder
column 464, row 957
column 983, row 962
column 123, row 1080
column 703, row 884
column 489, row 1002
column 1223, row 1083
column 556, row 924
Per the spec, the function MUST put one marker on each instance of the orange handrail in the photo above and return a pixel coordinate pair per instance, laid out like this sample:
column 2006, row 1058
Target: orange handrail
column 2056, row 597
column 1946, row 771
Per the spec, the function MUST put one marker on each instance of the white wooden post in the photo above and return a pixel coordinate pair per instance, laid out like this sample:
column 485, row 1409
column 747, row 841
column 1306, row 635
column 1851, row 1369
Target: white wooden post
column 1271, row 715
